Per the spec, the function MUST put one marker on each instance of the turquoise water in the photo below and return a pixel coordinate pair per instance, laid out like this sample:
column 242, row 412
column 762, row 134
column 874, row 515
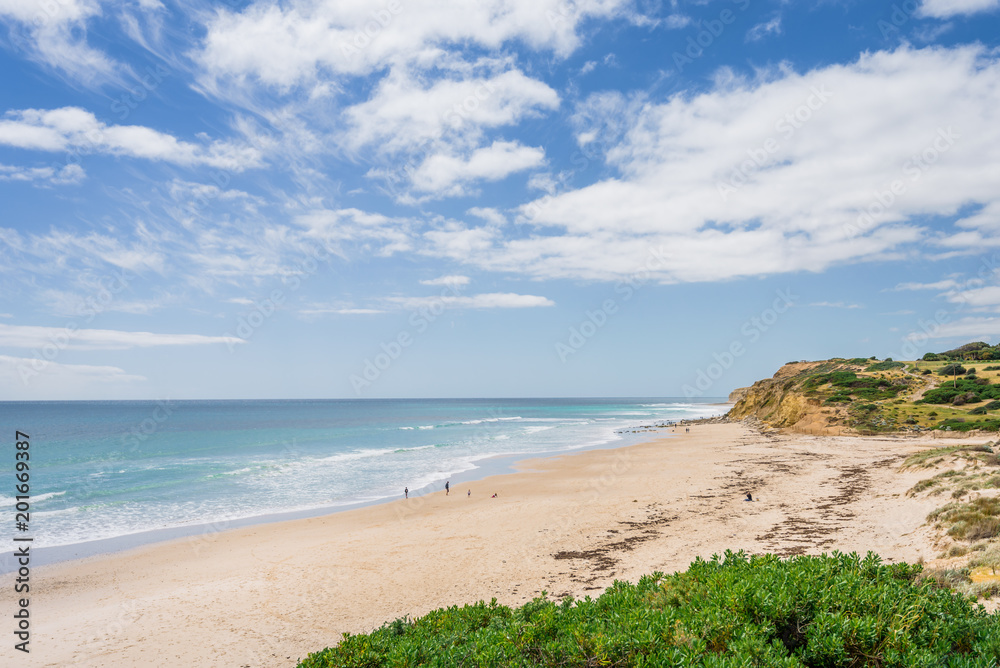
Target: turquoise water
column 113, row 468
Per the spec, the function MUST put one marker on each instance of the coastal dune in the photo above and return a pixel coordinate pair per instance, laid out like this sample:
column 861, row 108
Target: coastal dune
column 268, row 595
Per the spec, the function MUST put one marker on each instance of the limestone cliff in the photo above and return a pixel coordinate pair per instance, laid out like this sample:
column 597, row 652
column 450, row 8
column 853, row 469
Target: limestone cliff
column 775, row 401
column 737, row 394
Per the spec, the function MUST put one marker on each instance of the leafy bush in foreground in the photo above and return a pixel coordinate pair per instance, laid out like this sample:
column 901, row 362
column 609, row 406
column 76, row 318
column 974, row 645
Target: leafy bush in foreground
column 837, row 610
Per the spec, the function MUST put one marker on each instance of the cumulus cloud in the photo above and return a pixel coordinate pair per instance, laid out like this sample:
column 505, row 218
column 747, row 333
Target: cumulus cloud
column 405, row 113
column 307, row 39
column 786, row 172
column 442, row 174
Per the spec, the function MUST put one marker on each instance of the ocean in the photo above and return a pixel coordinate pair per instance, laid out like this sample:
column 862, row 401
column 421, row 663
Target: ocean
column 103, row 470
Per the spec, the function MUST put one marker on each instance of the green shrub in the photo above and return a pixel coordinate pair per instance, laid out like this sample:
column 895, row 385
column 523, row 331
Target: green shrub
column 837, row 610
column 885, row 366
column 972, row 390
column 951, row 370
column 959, row 424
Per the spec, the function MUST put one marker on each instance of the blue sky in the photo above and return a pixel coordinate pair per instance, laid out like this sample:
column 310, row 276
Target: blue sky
column 416, row 198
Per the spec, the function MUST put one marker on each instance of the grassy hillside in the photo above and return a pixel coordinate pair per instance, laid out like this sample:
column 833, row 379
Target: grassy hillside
column 868, row 396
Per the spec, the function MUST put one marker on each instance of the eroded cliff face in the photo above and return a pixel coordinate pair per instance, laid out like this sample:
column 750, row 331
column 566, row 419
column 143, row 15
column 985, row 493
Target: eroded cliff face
column 737, row 394
column 777, row 402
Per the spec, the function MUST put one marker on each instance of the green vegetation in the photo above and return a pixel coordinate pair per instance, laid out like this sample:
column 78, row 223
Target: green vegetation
column 837, row 610
column 970, row 351
column 848, row 386
column 885, row 366
column 865, row 395
column 955, row 453
column 959, row 424
column 975, row 520
column 964, row 390
column 952, row 370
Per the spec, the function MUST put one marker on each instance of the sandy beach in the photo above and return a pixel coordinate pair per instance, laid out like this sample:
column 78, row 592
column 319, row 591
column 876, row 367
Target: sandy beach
column 268, row 595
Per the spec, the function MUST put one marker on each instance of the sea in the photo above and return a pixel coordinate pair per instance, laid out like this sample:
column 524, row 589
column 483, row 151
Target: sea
column 106, row 475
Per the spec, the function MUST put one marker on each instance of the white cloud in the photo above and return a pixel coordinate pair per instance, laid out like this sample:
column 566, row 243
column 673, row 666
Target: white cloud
column 443, row 175
column 75, row 129
column 31, row 378
column 340, row 311
column 54, row 34
column 306, row 40
column 372, row 232
column 987, row 296
column 27, row 336
column 447, row 280
column 678, row 21
column 482, row 301
column 763, row 29
column 70, row 174
column 834, row 305
column 970, row 329
column 489, row 214
column 943, row 9
column 58, row 248
column 946, row 284
column 778, row 174
column 405, row 113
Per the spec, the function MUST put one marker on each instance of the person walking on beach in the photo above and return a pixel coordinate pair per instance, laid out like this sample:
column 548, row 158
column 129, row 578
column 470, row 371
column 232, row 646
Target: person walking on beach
column 447, row 488
column 406, row 492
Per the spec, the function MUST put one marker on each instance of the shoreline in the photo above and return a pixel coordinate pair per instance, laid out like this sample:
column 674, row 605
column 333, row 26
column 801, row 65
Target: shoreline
column 487, row 466
column 570, row 524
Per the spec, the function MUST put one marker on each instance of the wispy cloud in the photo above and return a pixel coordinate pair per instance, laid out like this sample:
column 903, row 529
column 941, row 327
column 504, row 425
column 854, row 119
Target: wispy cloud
column 943, row 9
column 76, row 129
column 27, row 336
column 447, row 280
column 946, row 284
column 970, row 329
column 764, row 29
column 66, row 175
column 834, row 305
column 482, row 301
column 54, row 34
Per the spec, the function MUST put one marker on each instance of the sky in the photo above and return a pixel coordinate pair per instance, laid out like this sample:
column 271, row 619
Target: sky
column 521, row 198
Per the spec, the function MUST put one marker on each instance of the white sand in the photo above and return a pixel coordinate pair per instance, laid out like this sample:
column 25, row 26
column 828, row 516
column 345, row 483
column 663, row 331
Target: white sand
column 268, row 595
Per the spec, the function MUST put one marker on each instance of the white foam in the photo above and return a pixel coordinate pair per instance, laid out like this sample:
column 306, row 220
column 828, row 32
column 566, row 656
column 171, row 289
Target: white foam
column 47, row 495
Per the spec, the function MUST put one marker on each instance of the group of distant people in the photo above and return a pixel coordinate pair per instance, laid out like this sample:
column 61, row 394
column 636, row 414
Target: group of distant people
column 447, row 491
